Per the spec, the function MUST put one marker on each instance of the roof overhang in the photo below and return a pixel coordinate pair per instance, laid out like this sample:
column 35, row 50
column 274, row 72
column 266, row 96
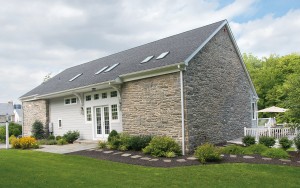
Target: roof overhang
column 111, row 84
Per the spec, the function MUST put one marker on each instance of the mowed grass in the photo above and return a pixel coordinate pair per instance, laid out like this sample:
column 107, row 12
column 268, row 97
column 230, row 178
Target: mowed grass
column 21, row 168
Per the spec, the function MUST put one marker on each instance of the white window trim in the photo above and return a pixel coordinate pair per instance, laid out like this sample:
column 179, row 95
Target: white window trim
column 60, row 127
column 85, row 117
column 253, row 111
column 110, row 109
column 70, row 98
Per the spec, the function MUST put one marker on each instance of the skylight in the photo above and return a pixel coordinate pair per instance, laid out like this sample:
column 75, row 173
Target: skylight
column 147, row 59
column 112, row 67
column 101, row 70
column 162, row 55
column 75, row 77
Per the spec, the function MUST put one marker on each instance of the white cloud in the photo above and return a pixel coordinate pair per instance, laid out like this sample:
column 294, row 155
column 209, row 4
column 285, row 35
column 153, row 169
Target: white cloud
column 39, row 37
column 269, row 34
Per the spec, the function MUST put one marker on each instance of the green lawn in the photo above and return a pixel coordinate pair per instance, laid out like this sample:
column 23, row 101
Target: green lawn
column 36, row 169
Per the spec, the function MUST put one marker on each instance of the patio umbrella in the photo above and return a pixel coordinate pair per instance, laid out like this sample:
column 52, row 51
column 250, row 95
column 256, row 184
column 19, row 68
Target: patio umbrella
column 273, row 109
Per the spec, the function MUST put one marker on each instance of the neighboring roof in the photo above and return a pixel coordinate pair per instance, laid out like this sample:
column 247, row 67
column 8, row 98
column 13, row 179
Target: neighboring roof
column 6, row 108
column 19, row 112
column 180, row 48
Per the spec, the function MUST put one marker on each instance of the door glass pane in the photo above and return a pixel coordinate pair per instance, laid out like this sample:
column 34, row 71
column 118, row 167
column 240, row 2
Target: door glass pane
column 106, row 120
column 98, row 117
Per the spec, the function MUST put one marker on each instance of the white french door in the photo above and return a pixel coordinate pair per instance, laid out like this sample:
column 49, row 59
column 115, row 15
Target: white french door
column 102, row 123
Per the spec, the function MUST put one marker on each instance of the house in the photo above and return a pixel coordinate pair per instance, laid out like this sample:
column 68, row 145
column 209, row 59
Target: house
column 18, row 112
column 6, row 109
column 192, row 86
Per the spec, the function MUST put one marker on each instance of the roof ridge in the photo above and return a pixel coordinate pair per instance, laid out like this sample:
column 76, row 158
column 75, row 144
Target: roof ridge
column 145, row 44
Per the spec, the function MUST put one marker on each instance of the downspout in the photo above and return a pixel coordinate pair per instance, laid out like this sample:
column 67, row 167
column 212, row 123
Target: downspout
column 182, row 113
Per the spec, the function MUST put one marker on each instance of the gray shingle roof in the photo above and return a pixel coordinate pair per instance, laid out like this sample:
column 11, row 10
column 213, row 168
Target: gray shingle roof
column 180, row 46
column 6, row 108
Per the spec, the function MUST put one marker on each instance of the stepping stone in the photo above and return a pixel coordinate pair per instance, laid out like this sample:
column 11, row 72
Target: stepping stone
column 126, row 155
column 118, row 153
column 222, row 155
column 145, row 158
column 98, row 149
column 285, row 160
column 298, row 161
column 108, row 151
column 90, row 149
column 191, row 158
column 266, row 159
column 181, row 160
column 232, row 156
column 153, row 160
column 136, row 156
column 248, row 157
column 167, row 160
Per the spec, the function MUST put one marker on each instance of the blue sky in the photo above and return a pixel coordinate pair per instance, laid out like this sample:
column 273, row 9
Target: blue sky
column 42, row 37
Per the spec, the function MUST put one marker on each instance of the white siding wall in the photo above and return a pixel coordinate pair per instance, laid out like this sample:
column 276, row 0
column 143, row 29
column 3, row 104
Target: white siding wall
column 73, row 118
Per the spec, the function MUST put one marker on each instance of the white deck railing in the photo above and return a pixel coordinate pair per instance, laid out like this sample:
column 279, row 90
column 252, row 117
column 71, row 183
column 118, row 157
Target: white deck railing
column 272, row 132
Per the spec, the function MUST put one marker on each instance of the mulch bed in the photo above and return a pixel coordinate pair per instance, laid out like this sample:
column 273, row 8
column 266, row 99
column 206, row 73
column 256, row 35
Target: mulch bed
column 99, row 154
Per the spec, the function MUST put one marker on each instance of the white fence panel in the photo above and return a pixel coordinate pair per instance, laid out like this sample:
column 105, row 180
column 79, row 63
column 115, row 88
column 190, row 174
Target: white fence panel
column 273, row 132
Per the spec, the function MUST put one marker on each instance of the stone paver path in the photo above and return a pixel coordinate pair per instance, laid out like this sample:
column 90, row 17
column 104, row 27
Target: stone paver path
column 108, row 151
column 248, row 157
column 191, row 158
column 267, row 159
column 118, row 153
column 146, row 158
column 285, row 160
column 181, row 160
column 126, row 154
column 167, row 160
column 67, row 148
column 233, row 156
column 136, row 156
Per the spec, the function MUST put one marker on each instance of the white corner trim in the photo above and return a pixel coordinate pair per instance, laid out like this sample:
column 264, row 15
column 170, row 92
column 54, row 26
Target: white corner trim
column 182, row 113
column 204, row 43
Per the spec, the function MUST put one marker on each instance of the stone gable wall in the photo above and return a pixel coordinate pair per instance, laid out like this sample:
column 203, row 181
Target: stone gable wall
column 217, row 93
column 152, row 106
column 35, row 110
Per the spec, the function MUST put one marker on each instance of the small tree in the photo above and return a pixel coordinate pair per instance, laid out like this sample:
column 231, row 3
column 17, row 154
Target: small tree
column 38, row 130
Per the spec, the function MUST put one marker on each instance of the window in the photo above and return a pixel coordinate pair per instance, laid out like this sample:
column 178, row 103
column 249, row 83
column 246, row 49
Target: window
column 112, row 67
column 253, row 108
column 88, row 98
column 101, row 70
column 114, row 112
column 104, row 95
column 147, row 59
column 59, row 123
column 89, row 114
column 162, row 55
column 113, row 94
column 67, row 101
column 75, row 77
column 96, row 96
column 71, row 100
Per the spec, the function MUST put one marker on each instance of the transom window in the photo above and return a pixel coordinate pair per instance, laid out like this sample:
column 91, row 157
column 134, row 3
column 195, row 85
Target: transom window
column 114, row 112
column 88, row 97
column 71, row 100
column 89, row 114
column 104, row 95
column 113, row 94
column 96, row 96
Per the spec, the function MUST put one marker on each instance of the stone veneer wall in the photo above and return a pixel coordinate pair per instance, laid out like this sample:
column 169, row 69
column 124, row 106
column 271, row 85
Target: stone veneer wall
column 217, row 93
column 35, row 110
column 152, row 106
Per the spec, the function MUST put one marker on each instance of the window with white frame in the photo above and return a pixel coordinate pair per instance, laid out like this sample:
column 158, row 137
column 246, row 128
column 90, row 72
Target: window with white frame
column 104, row 95
column 88, row 114
column 114, row 112
column 96, row 96
column 59, row 123
column 253, row 108
column 113, row 94
column 88, row 97
column 72, row 100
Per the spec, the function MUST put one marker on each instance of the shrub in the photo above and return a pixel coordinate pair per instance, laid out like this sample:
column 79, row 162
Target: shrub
column 113, row 133
column 71, row 136
column 51, row 137
column 170, row 154
column 256, row 149
column 234, row 149
column 58, row 137
column 114, row 143
column 14, row 129
column 47, row 142
column 297, row 141
column 160, row 145
column 11, row 138
column 267, row 141
column 2, row 133
column 38, row 130
column 285, row 143
column 25, row 143
column 102, row 144
column 248, row 140
column 137, row 143
column 61, row 141
column 276, row 153
column 124, row 141
column 208, row 153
